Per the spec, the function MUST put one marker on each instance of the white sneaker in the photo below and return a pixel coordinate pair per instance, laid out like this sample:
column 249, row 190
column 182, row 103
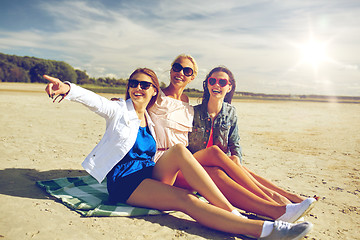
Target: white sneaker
column 298, row 210
column 288, row 231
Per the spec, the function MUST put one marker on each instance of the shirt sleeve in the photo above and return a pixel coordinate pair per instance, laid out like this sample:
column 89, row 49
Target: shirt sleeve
column 96, row 103
column 234, row 139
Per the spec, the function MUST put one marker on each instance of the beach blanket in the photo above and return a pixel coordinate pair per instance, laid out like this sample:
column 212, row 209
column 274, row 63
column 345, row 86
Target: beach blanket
column 89, row 198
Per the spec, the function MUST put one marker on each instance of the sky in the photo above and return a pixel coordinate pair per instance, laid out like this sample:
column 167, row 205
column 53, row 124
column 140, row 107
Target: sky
column 271, row 46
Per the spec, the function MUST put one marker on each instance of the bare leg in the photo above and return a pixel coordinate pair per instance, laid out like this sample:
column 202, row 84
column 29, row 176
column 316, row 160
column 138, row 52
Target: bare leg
column 179, row 158
column 237, row 195
column 291, row 196
column 158, row 193
column 182, row 183
column 214, row 157
column 243, row 198
column 154, row 194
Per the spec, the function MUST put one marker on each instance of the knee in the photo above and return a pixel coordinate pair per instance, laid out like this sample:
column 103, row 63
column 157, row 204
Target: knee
column 179, row 153
column 216, row 153
column 215, row 150
column 179, row 147
column 180, row 150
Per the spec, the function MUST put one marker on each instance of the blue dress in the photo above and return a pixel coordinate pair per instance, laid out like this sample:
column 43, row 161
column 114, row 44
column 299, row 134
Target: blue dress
column 136, row 166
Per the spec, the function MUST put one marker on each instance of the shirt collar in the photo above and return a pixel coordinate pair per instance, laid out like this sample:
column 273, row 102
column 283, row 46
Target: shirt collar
column 133, row 115
column 130, row 106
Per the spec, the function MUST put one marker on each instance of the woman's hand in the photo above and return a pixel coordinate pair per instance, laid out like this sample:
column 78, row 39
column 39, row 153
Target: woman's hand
column 56, row 87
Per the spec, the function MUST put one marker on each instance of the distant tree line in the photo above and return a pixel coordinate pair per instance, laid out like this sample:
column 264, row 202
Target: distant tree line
column 30, row 70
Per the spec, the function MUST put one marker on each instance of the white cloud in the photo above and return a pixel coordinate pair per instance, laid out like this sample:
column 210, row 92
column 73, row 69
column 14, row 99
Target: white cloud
column 255, row 39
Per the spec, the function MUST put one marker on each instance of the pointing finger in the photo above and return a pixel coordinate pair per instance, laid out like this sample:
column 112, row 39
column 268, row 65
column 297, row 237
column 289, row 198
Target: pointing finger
column 52, row 79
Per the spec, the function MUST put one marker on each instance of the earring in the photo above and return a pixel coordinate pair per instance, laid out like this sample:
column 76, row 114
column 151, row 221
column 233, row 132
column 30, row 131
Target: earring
column 229, row 89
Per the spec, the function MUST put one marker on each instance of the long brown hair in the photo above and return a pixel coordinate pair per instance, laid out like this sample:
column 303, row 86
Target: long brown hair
column 155, row 82
column 229, row 95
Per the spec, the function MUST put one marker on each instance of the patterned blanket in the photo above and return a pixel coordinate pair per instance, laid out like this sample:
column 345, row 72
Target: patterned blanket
column 89, row 198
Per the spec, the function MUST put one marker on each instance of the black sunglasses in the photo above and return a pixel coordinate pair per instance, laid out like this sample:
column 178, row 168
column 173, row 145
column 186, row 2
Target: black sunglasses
column 176, row 67
column 133, row 83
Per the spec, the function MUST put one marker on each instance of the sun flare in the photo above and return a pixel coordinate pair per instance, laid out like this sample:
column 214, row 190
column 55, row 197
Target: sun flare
column 313, row 52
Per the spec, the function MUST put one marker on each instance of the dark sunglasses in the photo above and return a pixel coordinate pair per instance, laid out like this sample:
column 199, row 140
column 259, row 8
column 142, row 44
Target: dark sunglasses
column 133, row 83
column 221, row 81
column 176, row 67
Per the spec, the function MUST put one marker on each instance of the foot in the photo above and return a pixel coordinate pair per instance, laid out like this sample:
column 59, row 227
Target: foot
column 288, row 231
column 297, row 210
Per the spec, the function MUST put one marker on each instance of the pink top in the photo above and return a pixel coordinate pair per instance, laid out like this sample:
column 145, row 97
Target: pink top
column 211, row 139
column 173, row 120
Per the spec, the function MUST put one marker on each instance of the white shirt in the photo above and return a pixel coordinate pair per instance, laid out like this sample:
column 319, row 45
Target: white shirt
column 122, row 125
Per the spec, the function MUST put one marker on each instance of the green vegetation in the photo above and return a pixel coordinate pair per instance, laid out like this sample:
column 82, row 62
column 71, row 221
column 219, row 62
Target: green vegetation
column 30, row 70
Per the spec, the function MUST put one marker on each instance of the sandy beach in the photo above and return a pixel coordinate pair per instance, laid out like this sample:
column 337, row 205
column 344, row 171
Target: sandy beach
column 307, row 147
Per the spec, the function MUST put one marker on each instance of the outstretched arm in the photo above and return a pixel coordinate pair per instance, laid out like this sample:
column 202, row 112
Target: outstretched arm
column 96, row 103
